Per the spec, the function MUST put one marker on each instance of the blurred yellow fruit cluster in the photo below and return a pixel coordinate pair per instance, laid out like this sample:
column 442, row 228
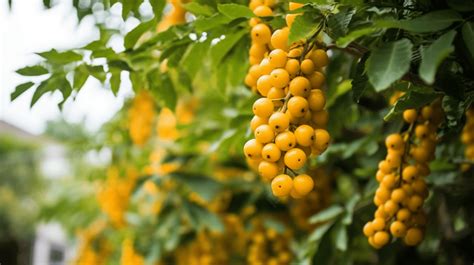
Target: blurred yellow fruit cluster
column 113, row 196
column 141, row 116
column 87, row 254
column 467, row 137
column 129, row 255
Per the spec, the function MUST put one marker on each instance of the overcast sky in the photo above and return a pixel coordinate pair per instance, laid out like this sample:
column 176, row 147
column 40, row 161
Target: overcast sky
column 28, row 28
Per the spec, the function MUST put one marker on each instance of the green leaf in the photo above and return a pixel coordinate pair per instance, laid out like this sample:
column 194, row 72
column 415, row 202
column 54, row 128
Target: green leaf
column 220, row 50
column 34, row 70
column 234, row 11
column 343, row 42
column 338, row 24
column 319, row 232
column 360, row 79
column 303, row 27
column 205, row 187
column 461, row 5
column 162, row 88
column 199, row 9
column 468, row 36
column 326, row 214
column 389, row 63
column 81, row 74
column 132, row 37
column 44, row 87
column 410, row 100
column 206, row 23
column 191, row 61
column 431, row 22
column 434, row 55
column 350, row 206
column 59, row 58
column 65, row 87
column 97, row 71
column 115, row 81
column 20, row 89
column 341, row 89
column 341, row 237
column 158, row 6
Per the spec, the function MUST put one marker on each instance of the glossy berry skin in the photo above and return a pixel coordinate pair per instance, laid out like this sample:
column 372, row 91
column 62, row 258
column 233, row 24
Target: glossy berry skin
column 278, row 58
column 253, row 149
column 316, row 100
column 297, row 106
column 307, row 67
column 303, row 184
column 304, row 135
column 381, row 238
column 410, row 115
column 279, row 38
column 292, row 67
column 268, row 170
column 282, row 185
column 319, row 57
column 263, row 11
column 413, row 237
column 264, row 134
column 271, row 152
column 300, row 86
column 394, row 142
column 280, row 78
column 263, row 107
column 261, row 34
column 368, row 229
column 285, row 140
column 279, row 121
column 295, row 158
column 257, row 121
column 264, row 84
column 398, row 229
column 321, row 139
column 317, row 80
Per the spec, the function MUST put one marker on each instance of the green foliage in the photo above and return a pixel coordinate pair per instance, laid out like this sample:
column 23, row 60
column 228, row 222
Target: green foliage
column 422, row 48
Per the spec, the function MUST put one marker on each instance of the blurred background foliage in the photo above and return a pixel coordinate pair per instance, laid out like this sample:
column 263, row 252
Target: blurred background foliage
column 177, row 188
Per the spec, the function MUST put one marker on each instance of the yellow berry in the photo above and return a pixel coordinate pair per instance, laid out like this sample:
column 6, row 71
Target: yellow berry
column 321, row 139
column 285, row 141
column 304, row 135
column 282, row 185
column 271, row 153
column 368, row 229
column 292, row 67
column 381, row 238
column 300, row 86
column 297, row 106
column 280, row 78
column 319, row 57
column 394, row 141
column 279, row 39
column 317, row 80
column 257, row 121
column 303, row 184
column 295, row 158
column 264, row 84
column 279, row 121
column 261, row 34
column 268, row 170
column 398, row 229
column 410, row 115
column 278, row 58
column 307, row 67
column 316, row 100
column 253, row 149
column 413, row 237
column 264, row 134
column 263, row 107
column 263, row 11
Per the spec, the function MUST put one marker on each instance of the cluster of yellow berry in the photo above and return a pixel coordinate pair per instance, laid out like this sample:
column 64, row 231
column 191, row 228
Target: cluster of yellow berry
column 290, row 119
column 87, row 253
column 267, row 246
column 318, row 199
column 129, row 255
column 141, row 116
column 402, row 188
column 114, row 196
column 467, row 137
column 206, row 249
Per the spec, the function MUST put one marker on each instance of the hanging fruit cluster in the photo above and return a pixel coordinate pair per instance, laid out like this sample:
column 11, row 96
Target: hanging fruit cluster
column 114, row 196
column 268, row 246
column 467, row 137
column 141, row 116
column 402, row 187
column 89, row 251
column 290, row 119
